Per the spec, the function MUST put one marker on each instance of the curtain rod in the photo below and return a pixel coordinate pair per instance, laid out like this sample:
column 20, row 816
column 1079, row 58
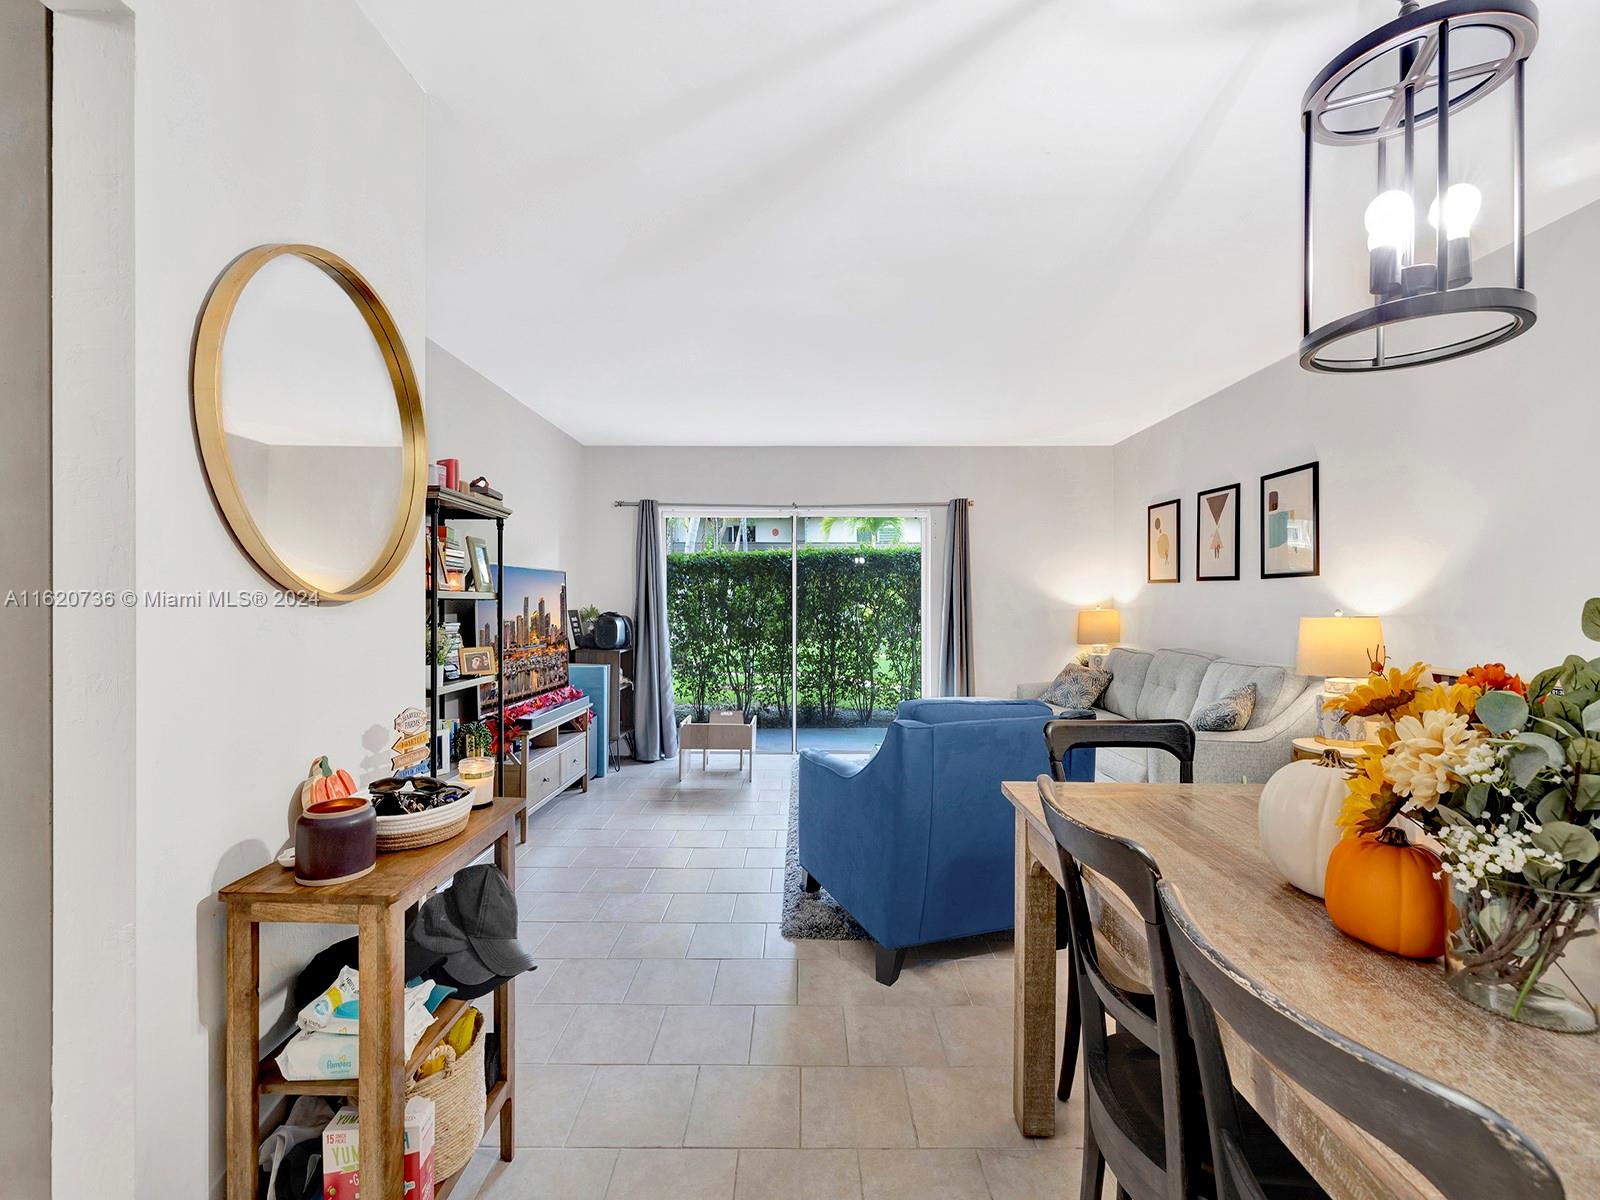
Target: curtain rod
column 735, row 510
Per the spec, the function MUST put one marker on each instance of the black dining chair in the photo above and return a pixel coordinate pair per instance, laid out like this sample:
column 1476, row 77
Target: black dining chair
column 1061, row 738
column 1142, row 1115
column 1464, row 1149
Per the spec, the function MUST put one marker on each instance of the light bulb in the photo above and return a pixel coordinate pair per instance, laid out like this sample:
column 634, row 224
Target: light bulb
column 1389, row 219
column 1461, row 206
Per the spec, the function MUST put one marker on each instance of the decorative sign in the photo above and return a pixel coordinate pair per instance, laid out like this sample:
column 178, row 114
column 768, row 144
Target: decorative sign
column 412, row 741
column 411, row 747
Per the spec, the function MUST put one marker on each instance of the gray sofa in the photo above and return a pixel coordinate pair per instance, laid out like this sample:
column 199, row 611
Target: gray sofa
column 1173, row 683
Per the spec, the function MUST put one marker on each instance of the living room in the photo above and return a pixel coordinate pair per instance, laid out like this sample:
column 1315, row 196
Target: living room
column 1074, row 322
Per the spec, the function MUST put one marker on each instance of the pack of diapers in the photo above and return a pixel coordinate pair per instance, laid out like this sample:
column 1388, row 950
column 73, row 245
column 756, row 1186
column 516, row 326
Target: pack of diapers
column 331, row 1050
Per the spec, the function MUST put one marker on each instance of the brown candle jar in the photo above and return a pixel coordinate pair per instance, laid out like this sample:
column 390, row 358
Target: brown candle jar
column 335, row 841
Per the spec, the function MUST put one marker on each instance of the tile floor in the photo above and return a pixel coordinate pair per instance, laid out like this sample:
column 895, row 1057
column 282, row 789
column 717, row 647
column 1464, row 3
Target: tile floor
column 672, row 1044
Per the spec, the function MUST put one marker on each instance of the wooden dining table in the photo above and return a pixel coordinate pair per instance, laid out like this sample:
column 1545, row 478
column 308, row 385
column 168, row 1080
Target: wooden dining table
column 1204, row 839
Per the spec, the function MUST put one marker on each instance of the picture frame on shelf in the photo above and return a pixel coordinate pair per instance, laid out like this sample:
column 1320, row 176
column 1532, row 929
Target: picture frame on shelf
column 1163, row 542
column 450, row 580
column 1291, row 523
column 1216, row 534
column 478, row 559
column 576, row 633
column 477, row 660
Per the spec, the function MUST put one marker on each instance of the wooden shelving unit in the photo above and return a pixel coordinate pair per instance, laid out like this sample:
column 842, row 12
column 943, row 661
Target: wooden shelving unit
column 376, row 904
column 445, row 506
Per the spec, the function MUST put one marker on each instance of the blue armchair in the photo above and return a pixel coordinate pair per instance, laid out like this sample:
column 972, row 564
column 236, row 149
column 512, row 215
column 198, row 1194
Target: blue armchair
column 916, row 842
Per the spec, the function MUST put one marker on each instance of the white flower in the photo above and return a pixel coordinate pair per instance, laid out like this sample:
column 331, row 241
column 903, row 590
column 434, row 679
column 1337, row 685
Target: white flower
column 1430, row 754
column 1474, row 858
column 1482, row 765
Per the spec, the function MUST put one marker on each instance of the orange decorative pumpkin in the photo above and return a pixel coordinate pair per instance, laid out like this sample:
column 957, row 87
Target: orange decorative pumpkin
column 1381, row 890
column 325, row 783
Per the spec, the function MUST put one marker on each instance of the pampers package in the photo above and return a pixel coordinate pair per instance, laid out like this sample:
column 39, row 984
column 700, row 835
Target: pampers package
column 341, row 1153
column 331, row 1052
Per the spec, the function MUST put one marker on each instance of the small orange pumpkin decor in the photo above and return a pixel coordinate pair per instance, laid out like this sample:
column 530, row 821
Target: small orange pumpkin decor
column 325, row 783
column 1381, row 890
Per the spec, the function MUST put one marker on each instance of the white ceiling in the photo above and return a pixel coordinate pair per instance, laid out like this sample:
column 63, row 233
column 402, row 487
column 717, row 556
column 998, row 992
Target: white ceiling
column 890, row 221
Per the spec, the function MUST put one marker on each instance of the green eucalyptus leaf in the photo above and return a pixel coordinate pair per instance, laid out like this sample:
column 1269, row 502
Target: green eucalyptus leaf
column 1591, row 618
column 1502, row 712
column 1577, row 672
column 1475, row 799
column 1491, row 918
column 1584, row 754
column 1557, row 727
column 1563, row 709
column 1591, row 717
column 1542, row 874
column 1523, row 762
column 1452, row 816
column 1573, row 843
column 1548, row 746
column 1552, row 805
column 1587, row 797
column 1545, row 680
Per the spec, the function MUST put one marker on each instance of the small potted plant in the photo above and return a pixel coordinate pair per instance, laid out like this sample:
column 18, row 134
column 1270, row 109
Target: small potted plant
column 441, row 657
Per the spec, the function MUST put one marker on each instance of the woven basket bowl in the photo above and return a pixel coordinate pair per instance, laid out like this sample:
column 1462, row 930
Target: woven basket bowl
column 412, row 831
column 458, row 1094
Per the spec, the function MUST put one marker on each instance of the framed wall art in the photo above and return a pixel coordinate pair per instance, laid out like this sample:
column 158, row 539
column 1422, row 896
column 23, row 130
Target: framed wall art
column 477, row 660
column 1163, row 544
column 478, row 562
column 1291, row 527
column 1216, row 533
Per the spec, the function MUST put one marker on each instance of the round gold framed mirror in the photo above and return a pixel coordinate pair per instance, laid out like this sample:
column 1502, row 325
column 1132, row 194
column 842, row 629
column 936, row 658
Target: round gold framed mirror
column 309, row 420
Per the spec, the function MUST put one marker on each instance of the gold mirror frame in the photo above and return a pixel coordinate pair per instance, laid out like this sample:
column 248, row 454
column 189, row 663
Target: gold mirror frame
column 206, row 393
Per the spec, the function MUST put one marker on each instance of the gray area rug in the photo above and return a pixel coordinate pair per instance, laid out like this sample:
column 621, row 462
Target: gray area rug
column 814, row 914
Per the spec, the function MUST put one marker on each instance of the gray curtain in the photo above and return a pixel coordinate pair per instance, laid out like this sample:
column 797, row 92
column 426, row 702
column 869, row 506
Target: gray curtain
column 955, row 625
column 655, row 731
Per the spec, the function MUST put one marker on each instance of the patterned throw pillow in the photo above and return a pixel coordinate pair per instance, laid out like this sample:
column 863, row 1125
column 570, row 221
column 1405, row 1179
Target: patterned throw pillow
column 1229, row 714
column 1076, row 687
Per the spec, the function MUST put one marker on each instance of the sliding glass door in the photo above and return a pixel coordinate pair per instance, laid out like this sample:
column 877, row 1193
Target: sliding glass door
column 730, row 619
column 812, row 621
column 858, row 588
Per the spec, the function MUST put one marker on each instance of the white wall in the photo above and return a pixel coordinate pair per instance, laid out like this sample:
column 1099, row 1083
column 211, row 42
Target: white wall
column 1454, row 497
column 536, row 467
column 1038, row 526
column 93, row 648
column 253, row 123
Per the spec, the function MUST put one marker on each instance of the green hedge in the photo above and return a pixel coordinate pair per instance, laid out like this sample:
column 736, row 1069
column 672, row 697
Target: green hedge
column 860, row 625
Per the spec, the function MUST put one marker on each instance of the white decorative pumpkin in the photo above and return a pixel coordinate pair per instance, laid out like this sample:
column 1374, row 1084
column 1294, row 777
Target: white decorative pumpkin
column 1298, row 819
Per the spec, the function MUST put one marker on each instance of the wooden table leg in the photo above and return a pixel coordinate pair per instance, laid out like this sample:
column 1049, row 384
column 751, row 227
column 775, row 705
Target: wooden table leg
column 380, row 1092
column 1033, row 1083
column 243, row 1038
column 505, row 1017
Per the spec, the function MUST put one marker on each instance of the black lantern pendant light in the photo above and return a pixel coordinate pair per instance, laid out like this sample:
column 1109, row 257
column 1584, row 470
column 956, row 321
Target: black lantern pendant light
column 1386, row 115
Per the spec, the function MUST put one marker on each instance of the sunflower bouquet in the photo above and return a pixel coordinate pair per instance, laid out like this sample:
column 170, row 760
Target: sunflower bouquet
column 1505, row 775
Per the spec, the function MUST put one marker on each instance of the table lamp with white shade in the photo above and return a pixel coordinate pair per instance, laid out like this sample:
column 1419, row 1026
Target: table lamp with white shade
column 1099, row 629
column 1344, row 651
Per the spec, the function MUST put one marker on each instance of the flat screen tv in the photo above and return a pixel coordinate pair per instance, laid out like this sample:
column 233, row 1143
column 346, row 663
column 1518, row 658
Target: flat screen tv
column 533, row 641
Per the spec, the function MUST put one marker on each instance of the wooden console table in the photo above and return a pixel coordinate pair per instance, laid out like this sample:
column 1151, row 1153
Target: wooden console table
column 376, row 904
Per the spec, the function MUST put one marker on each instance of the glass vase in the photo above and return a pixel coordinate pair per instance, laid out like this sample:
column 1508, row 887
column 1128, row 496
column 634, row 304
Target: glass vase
column 1525, row 953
